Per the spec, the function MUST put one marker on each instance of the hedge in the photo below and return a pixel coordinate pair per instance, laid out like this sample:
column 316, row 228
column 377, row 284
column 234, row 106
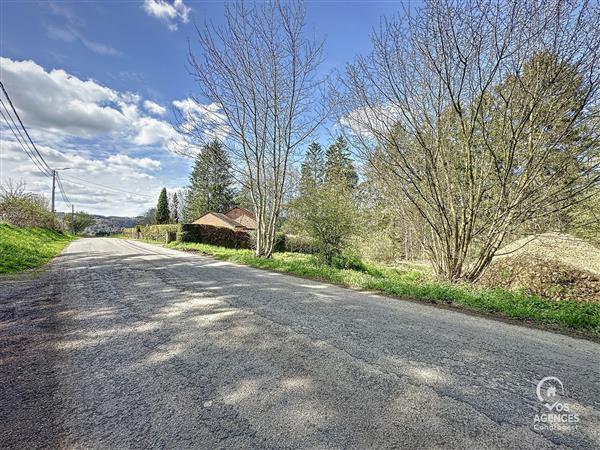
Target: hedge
column 209, row 234
column 224, row 237
column 152, row 232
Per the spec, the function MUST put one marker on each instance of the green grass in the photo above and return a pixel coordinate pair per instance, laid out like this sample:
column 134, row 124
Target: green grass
column 415, row 282
column 26, row 248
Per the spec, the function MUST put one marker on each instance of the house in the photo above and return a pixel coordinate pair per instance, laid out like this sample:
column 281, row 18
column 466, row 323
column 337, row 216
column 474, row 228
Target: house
column 237, row 219
column 243, row 216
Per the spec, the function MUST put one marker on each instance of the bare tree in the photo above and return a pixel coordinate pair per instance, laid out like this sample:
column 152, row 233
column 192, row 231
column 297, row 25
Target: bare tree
column 12, row 189
column 258, row 73
column 479, row 115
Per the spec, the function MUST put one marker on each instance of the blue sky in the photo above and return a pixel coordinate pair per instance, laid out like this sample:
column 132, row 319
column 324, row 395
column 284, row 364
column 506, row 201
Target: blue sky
column 95, row 83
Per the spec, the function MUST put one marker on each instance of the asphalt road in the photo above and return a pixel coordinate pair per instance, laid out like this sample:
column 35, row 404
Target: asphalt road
column 119, row 344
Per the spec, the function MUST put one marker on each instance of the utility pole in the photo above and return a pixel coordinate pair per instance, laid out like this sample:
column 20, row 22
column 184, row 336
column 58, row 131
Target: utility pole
column 72, row 218
column 53, row 187
column 54, row 184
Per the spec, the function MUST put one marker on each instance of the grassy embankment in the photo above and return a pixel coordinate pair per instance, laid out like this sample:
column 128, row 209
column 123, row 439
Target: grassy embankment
column 416, row 282
column 26, row 248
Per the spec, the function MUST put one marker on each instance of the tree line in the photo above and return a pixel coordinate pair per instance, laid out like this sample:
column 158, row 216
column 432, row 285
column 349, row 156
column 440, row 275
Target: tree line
column 471, row 124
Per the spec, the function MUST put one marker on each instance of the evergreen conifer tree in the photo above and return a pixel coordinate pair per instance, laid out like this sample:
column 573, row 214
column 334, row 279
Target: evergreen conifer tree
column 211, row 183
column 175, row 208
column 338, row 166
column 312, row 172
column 162, row 208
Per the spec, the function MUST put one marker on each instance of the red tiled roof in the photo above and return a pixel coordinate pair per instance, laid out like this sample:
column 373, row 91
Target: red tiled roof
column 236, row 212
column 227, row 220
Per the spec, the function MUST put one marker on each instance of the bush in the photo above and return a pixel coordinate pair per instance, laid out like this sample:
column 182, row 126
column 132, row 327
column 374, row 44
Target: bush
column 289, row 243
column 349, row 261
column 327, row 214
column 79, row 222
column 151, row 232
column 224, row 237
column 278, row 246
column 300, row 244
column 130, row 232
column 208, row 234
column 26, row 211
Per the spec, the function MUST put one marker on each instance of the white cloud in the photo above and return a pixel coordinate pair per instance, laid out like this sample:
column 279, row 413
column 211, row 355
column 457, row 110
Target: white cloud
column 62, row 9
column 69, row 30
column 170, row 13
column 58, row 105
column 151, row 131
column 118, row 171
column 60, row 102
column 68, row 34
column 129, row 162
column 154, row 108
column 95, row 131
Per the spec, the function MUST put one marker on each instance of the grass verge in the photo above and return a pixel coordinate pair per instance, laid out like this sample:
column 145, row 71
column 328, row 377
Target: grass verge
column 411, row 281
column 26, row 248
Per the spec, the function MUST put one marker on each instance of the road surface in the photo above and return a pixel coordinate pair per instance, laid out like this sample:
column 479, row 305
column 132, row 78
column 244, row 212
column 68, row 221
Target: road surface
column 119, row 344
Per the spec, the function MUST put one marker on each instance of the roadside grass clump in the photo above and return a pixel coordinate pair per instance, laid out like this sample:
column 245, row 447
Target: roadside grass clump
column 415, row 281
column 26, row 248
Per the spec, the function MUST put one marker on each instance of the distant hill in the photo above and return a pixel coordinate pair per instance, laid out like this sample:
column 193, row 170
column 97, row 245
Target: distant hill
column 107, row 224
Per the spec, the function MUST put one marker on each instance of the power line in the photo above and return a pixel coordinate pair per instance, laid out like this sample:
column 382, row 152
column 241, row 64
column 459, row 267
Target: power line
column 21, row 140
column 44, row 163
column 36, row 157
column 63, row 194
column 29, row 147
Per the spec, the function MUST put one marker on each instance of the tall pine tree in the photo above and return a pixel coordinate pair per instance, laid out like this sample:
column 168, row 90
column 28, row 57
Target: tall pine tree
column 175, row 208
column 312, row 172
column 211, row 183
column 162, row 208
column 339, row 167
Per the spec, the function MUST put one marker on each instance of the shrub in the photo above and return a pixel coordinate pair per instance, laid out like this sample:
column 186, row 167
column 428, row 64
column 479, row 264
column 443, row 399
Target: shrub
column 300, row 244
column 209, row 234
column 151, row 232
column 26, row 211
column 279, row 245
column 130, row 232
column 349, row 261
column 289, row 243
column 327, row 214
